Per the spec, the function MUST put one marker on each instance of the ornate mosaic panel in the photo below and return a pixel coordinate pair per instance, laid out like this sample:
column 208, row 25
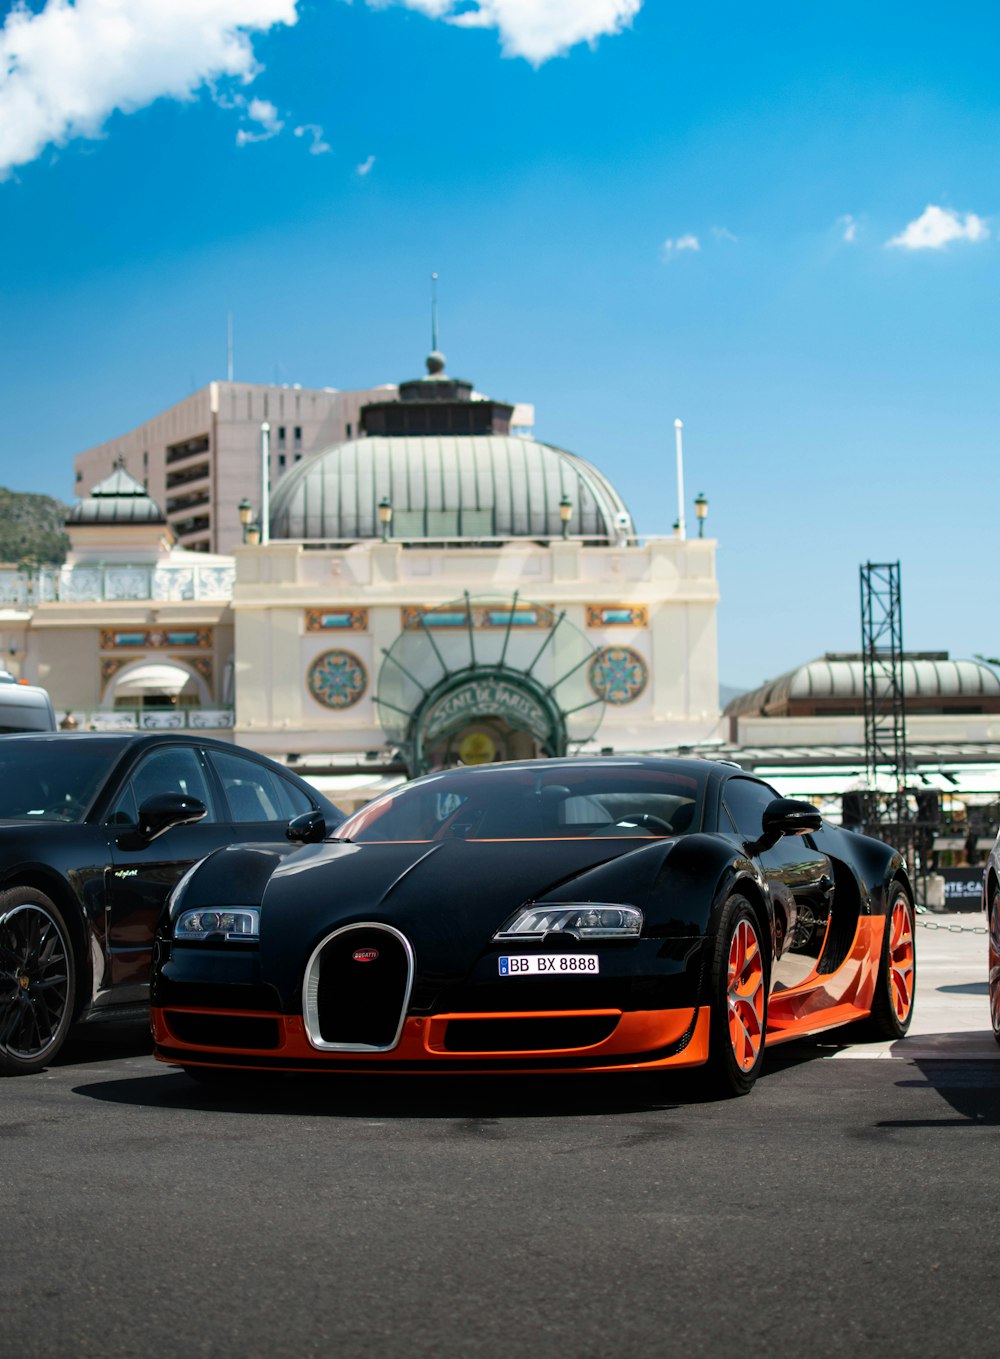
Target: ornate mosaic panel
column 483, row 616
column 617, row 616
column 330, row 620
column 618, row 674
column 203, row 665
column 110, row 665
column 153, row 639
column 337, row 679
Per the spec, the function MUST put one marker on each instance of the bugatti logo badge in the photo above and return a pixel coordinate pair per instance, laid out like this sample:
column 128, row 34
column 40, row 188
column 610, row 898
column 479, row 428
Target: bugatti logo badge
column 365, row 955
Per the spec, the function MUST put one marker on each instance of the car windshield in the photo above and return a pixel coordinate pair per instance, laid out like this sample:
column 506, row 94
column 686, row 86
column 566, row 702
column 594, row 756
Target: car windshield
column 50, row 780
column 535, row 803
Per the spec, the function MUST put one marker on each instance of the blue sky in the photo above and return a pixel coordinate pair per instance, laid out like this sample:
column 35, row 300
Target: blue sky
column 778, row 222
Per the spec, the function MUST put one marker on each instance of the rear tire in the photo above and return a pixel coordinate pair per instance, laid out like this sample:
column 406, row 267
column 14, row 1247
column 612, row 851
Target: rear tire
column 738, row 999
column 37, row 981
column 892, row 1006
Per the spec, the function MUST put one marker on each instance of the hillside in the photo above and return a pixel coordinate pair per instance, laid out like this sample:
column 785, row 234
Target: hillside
column 32, row 528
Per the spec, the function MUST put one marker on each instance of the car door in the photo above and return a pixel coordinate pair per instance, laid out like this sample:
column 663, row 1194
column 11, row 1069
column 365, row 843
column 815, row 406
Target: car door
column 799, row 879
column 139, row 879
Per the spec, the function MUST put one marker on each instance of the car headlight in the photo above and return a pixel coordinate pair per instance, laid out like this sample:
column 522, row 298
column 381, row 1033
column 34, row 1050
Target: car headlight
column 237, row 923
column 585, row 920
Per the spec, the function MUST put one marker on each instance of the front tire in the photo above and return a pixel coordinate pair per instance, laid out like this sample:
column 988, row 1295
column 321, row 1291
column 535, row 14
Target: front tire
column 892, row 1006
column 37, row 981
column 738, row 999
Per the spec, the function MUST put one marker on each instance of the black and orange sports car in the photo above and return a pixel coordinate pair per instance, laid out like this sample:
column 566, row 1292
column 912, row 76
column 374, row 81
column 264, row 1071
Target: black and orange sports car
column 607, row 914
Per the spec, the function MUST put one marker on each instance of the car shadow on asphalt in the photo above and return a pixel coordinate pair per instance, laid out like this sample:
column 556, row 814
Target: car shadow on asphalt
column 407, row 1097
column 106, row 1043
column 434, row 1096
column 971, row 1089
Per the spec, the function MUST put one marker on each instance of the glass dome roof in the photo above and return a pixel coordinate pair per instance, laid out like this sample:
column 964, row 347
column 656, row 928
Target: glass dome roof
column 446, row 486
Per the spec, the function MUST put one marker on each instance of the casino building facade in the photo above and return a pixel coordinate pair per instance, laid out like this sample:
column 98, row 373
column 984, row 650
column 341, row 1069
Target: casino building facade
column 440, row 588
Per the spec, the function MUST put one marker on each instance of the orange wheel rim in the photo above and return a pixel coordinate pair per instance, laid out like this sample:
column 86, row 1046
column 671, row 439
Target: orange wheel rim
column 901, row 958
column 745, row 990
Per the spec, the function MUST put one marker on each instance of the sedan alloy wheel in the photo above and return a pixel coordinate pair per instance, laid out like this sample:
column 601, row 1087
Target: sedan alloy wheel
column 37, row 989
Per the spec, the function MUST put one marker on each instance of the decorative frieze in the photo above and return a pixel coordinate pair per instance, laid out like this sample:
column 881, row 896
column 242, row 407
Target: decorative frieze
column 617, row 616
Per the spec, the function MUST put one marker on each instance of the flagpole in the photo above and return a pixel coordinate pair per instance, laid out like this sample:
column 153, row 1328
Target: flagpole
column 681, row 527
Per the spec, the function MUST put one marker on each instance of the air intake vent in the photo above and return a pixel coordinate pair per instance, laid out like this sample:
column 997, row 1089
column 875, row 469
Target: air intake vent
column 542, row 1034
column 224, row 1031
column 356, row 989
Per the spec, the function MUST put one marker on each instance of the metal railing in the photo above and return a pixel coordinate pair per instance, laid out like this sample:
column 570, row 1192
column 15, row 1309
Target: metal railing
column 172, row 719
column 108, row 583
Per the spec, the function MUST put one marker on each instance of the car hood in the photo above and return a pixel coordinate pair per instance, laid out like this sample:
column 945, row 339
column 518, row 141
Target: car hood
column 448, row 898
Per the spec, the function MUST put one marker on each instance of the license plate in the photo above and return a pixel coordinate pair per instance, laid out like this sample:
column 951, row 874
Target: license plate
column 550, row 965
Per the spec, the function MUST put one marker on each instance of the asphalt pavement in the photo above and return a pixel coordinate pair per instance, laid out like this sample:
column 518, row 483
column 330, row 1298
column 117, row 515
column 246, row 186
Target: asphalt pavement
column 846, row 1209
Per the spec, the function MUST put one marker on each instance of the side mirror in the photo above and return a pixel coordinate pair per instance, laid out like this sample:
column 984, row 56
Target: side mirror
column 307, row 829
column 158, row 814
column 787, row 816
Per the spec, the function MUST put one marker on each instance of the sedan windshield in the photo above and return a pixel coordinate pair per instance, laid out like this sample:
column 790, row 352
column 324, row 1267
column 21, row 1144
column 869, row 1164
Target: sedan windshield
column 50, row 780
column 550, row 802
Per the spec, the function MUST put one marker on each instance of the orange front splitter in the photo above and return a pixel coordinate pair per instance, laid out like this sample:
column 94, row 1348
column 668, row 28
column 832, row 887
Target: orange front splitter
column 421, row 1044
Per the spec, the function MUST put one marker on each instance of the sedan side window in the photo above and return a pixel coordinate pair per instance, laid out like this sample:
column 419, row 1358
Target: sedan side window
column 745, row 801
column 255, row 793
column 171, row 769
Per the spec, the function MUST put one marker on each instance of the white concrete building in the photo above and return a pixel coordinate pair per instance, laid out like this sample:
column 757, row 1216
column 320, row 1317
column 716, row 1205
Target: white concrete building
column 445, row 591
column 434, row 586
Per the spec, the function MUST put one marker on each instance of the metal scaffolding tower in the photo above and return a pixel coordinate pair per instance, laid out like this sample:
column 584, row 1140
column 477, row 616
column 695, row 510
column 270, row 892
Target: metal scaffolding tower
column 885, row 700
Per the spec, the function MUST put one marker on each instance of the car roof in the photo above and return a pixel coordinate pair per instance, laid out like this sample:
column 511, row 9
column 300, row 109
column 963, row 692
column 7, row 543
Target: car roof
column 714, row 769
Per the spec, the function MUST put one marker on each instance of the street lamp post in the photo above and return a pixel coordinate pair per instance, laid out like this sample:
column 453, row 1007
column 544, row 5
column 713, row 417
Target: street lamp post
column 245, row 510
column 701, row 510
column 565, row 513
column 385, row 516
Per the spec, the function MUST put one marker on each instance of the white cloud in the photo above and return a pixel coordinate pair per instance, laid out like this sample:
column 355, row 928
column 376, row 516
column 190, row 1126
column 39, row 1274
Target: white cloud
column 533, row 29
column 674, row 245
column 724, row 234
column 265, row 115
column 850, row 228
column 317, row 147
column 365, row 167
column 937, row 227
column 67, row 68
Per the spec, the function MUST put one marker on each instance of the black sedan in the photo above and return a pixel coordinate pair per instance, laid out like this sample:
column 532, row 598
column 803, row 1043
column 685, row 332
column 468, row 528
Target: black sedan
column 95, row 829
column 548, row 916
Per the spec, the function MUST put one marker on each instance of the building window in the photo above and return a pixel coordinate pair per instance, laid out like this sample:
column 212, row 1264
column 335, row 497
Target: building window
column 281, row 460
column 281, row 436
column 298, row 436
column 298, row 457
column 348, row 429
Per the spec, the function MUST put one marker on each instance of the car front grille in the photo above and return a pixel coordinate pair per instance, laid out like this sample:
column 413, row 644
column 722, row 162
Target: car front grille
column 356, row 989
